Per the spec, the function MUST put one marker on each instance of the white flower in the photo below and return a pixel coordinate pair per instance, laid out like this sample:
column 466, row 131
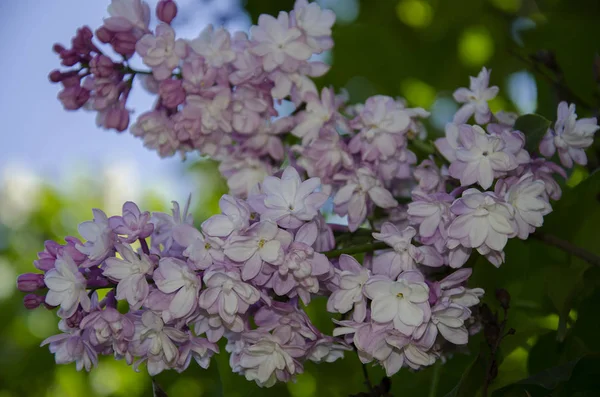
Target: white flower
column 405, row 255
column 175, row 276
column 403, row 302
column 475, row 99
column 130, row 273
column 214, row 46
column 528, row 198
column 352, row 278
column 200, row 250
column 100, row 238
column 67, row 287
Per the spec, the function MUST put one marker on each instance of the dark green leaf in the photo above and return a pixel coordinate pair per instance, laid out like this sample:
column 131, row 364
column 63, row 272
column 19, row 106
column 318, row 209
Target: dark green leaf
column 534, row 127
column 157, row 391
column 472, row 379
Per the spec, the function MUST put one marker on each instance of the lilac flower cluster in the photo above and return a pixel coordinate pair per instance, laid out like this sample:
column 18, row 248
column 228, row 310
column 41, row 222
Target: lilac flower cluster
column 248, row 272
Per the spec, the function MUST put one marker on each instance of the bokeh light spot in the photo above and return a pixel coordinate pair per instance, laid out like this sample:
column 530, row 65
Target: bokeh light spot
column 442, row 112
column 475, row 46
column 511, row 6
column 579, row 175
column 415, row 13
column 497, row 104
column 305, row 386
column 522, row 90
column 8, row 278
column 417, row 92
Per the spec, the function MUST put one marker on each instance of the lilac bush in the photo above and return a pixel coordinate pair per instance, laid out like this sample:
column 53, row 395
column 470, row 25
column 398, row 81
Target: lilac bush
column 247, row 274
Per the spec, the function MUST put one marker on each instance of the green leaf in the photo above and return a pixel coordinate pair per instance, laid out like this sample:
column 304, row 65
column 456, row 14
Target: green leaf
column 472, row 379
column 157, row 391
column 534, row 127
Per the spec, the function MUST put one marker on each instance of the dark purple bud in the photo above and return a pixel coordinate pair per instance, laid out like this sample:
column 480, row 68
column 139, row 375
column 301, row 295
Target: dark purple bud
column 32, row 301
column 171, row 93
column 491, row 333
column 166, row 10
column 58, row 48
column 55, row 76
column 104, row 35
column 75, row 319
column 124, row 43
column 102, row 66
column 487, row 316
column 503, row 297
column 71, row 80
column 82, row 41
column 69, row 57
column 30, row 282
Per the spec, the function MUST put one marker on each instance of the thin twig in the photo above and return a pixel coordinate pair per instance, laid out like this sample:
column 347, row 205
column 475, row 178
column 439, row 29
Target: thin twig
column 568, row 247
column 357, row 249
column 366, row 375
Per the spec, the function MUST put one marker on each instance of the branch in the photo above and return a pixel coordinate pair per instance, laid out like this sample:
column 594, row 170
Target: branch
column 568, row 247
column 357, row 249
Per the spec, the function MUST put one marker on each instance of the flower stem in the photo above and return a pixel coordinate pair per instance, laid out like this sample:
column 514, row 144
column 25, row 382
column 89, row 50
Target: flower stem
column 568, row 247
column 367, row 380
column 357, row 249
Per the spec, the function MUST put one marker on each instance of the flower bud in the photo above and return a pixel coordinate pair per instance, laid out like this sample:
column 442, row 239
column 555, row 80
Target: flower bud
column 102, row 66
column 124, row 43
column 58, row 48
column 171, row 93
column 166, row 10
column 55, row 76
column 30, row 282
column 69, row 57
column 104, row 35
column 74, row 97
column 32, row 301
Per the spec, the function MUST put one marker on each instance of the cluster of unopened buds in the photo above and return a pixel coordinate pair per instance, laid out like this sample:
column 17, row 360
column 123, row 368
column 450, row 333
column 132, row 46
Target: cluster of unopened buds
column 151, row 288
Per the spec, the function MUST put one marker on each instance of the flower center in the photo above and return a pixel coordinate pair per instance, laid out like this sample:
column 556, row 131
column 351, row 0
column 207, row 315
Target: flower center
column 399, row 295
column 207, row 246
column 262, row 243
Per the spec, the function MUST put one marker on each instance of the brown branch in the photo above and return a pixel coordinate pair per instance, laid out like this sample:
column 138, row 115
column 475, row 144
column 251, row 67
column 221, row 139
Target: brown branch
column 572, row 249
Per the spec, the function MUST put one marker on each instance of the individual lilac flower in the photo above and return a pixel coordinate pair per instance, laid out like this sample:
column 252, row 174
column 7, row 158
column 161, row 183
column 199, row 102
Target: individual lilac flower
column 115, row 116
column 166, row 11
column 226, row 295
column 213, row 326
column 109, row 328
column 200, row 349
column 482, row 219
column 475, row 99
column 243, row 172
column 325, row 239
column 67, row 287
column 160, row 51
column 157, row 132
column 403, row 302
column 261, row 242
column 171, row 93
column 319, row 112
column 200, row 250
column 164, row 224
column 315, row 23
column 429, row 177
column 288, row 200
column 277, row 42
column 326, row 350
column 431, row 213
column 265, row 359
column 130, row 273
column 247, row 106
column 73, row 346
column 405, row 256
column 174, row 276
column 349, row 295
column 481, row 159
column 351, row 199
column 449, row 320
column 399, row 350
column 543, row 170
column 570, row 136
column 128, row 14
column 133, row 225
column 100, row 238
column 527, row 197
column 196, row 74
column 235, row 217
column 156, row 342
column 214, row 112
column 266, row 139
column 381, row 122
column 53, row 250
column 214, row 46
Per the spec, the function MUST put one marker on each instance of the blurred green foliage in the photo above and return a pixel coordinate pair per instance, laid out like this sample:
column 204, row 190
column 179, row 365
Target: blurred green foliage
column 421, row 50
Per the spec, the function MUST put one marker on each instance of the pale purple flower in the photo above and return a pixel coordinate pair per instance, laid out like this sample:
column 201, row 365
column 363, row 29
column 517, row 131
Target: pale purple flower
column 243, row 172
column 266, row 141
column 351, row 199
column 53, row 250
column 156, row 342
column 288, row 200
column 100, row 238
column 265, row 359
column 349, row 295
column 171, row 93
column 429, row 177
column 202, row 251
column 319, row 112
column 482, row 220
column 482, row 158
column 475, row 99
column 126, row 15
column 277, row 42
column 527, row 197
column 73, row 347
column 543, row 170
column 133, row 225
column 214, row 46
column 403, row 302
column 261, row 242
column 214, row 112
column 164, row 224
column 160, row 51
column 157, row 132
column 449, row 320
column 213, row 326
column 109, row 329
column 235, row 217
column 399, row 351
column 66, row 287
column 174, row 276
column 570, row 136
column 327, row 350
column 200, row 349
column 431, row 213
column 227, row 295
column 248, row 106
column 315, row 23
column 130, row 273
